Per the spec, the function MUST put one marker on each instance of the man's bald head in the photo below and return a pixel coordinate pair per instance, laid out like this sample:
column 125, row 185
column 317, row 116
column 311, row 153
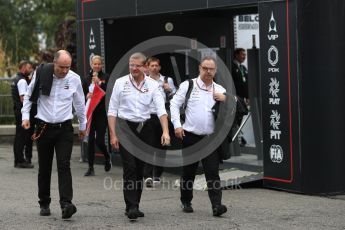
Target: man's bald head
column 62, row 63
column 62, row 54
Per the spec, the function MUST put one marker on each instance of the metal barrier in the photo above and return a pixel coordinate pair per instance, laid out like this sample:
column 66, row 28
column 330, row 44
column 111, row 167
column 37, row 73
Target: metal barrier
column 6, row 103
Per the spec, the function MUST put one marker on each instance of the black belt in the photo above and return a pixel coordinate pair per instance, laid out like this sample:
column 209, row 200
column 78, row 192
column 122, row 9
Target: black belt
column 195, row 135
column 153, row 115
column 55, row 125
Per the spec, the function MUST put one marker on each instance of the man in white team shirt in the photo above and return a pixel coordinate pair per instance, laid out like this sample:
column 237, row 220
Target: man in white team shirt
column 152, row 173
column 130, row 103
column 55, row 88
column 199, row 123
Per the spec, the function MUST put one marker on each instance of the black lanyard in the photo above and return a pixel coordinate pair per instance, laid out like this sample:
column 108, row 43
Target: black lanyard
column 139, row 89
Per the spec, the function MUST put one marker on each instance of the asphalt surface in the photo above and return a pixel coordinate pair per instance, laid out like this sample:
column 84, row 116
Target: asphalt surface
column 100, row 204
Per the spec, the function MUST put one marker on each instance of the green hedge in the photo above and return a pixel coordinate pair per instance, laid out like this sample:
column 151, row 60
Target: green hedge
column 6, row 103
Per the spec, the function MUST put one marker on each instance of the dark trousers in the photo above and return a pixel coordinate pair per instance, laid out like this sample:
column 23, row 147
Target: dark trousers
column 132, row 170
column 97, row 133
column 154, row 130
column 22, row 141
column 59, row 139
column 211, row 169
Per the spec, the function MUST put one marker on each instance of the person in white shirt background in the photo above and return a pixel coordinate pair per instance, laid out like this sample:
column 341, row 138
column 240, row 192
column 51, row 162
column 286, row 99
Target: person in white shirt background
column 58, row 89
column 199, row 123
column 22, row 145
column 152, row 173
column 130, row 105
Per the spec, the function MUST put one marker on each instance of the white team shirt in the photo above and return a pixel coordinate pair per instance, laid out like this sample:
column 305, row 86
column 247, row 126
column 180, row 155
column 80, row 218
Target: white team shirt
column 22, row 86
column 199, row 117
column 132, row 103
column 160, row 82
column 57, row 107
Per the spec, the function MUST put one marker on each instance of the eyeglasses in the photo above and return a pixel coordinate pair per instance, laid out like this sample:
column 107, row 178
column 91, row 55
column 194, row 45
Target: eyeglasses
column 135, row 66
column 206, row 69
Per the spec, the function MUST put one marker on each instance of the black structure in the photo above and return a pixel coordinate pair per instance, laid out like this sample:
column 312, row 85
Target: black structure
column 302, row 47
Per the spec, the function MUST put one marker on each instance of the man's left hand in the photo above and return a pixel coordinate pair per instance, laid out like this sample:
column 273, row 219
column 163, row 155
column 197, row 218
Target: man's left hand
column 219, row 97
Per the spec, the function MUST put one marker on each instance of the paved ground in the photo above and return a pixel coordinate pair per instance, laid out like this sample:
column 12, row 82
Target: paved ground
column 100, row 204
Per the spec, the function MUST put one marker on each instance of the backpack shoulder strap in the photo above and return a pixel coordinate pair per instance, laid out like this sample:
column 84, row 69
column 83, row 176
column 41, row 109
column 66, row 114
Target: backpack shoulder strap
column 189, row 91
column 35, row 92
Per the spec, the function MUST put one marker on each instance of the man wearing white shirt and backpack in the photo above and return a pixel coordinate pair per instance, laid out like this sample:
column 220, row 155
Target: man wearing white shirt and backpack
column 199, row 123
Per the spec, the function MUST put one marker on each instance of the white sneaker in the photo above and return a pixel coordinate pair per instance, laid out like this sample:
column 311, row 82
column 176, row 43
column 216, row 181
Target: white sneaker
column 149, row 182
column 156, row 180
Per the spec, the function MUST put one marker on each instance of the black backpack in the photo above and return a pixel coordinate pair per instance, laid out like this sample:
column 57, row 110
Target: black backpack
column 224, row 148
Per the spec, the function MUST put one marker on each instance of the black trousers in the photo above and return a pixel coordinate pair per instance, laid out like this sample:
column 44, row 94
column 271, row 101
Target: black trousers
column 211, row 169
column 60, row 139
column 97, row 133
column 132, row 170
column 22, row 140
column 154, row 130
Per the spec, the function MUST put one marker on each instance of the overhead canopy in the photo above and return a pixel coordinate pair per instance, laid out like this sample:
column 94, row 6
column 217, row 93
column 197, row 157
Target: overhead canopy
column 130, row 8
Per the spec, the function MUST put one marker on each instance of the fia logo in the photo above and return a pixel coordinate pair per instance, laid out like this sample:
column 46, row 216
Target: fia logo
column 272, row 27
column 92, row 43
column 276, row 154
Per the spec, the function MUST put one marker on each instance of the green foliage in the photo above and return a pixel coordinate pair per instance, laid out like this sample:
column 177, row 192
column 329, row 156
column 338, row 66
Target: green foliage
column 51, row 14
column 22, row 21
column 6, row 103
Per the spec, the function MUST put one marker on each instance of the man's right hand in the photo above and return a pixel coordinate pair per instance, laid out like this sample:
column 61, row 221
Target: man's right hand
column 114, row 142
column 26, row 124
column 179, row 133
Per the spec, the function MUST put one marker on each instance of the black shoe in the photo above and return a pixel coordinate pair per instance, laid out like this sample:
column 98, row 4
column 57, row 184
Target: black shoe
column 243, row 142
column 107, row 165
column 132, row 214
column 139, row 213
column 187, row 207
column 90, row 172
column 45, row 211
column 68, row 211
column 24, row 165
column 219, row 210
